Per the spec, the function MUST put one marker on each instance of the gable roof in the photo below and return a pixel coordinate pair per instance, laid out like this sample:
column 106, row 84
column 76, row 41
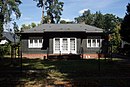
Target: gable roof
column 11, row 37
column 64, row 28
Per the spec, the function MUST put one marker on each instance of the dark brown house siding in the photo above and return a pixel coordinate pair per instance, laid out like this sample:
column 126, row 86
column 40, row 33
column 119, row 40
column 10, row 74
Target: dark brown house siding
column 47, row 47
column 77, row 33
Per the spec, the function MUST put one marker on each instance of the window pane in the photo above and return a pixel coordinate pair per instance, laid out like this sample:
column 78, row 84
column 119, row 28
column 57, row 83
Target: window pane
column 65, row 45
column 31, row 40
column 72, row 44
column 35, row 42
column 89, row 43
column 57, row 44
column 40, row 43
column 93, row 43
column 98, row 42
column 40, row 40
column 31, row 43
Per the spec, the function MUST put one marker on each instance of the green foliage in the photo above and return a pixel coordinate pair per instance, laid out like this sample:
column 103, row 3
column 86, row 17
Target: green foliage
column 45, row 19
column 5, row 50
column 15, row 27
column 66, row 22
column 108, row 22
column 24, row 26
column 1, row 52
column 33, row 25
column 79, row 73
column 53, row 10
column 125, row 26
column 104, row 21
column 86, row 18
column 115, row 39
column 98, row 20
column 1, row 29
column 62, row 22
column 1, row 23
column 7, row 7
column 28, row 26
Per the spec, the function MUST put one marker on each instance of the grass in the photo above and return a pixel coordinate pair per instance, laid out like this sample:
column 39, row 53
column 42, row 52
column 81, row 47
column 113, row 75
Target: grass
column 79, row 72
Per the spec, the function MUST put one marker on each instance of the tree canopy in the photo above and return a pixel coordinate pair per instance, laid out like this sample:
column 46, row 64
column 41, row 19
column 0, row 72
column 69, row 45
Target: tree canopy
column 109, row 22
column 125, row 26
column 28, row 26
column 7, row 7
column 53, row 10
column 104, row 21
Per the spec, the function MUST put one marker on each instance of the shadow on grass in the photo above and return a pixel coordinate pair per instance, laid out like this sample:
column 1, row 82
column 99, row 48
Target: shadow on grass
column 80, row 73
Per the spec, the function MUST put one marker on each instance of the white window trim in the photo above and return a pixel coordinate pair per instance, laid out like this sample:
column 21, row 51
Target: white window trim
column 61, row 51
column 92, row 43
column 39, row 45
column 75, row 44
column 54, row 45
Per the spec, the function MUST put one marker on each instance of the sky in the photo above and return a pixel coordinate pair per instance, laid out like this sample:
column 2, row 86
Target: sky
column 72, row 8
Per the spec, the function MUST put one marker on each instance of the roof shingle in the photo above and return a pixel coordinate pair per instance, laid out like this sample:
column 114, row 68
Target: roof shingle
column 63, row 28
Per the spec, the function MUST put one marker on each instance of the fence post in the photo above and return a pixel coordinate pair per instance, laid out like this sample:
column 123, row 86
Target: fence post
column 99, row 66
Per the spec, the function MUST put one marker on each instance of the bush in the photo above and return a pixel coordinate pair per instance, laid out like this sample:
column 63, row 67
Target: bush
column 1, row 52
column 5, row 50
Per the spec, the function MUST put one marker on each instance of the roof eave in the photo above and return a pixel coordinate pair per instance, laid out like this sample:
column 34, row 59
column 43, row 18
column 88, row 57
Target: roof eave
column 94, row 31
column 62, row 31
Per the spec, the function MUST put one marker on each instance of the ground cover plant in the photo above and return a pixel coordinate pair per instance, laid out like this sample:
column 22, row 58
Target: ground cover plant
column 77, row 73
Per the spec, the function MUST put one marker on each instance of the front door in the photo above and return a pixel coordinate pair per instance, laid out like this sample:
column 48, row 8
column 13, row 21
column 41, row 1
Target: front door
column 64, row 45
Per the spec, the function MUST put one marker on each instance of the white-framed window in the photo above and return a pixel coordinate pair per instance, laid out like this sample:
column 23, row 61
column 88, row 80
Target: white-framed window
column 94, row 42
column 72, row 44
column 35, row 43
column 64, row 45
column 57, row 44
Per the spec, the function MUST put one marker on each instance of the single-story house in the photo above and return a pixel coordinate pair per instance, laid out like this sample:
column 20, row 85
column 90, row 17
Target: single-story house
column 11, row 37
column 55, row 39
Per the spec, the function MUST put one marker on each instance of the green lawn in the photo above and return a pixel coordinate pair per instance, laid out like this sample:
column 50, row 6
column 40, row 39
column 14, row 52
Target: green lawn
column 80, row 73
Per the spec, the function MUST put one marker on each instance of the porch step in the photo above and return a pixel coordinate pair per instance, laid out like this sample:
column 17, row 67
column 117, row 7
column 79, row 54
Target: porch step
column 64, row 57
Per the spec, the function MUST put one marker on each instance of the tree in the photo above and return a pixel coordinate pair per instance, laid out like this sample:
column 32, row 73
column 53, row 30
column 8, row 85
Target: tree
column 86, row 18
column 45, row 19
column 66, row 22
column 116, row 39
column 38, row 24
column 24, row 26
column 1, row 25
column 109, row 22
column 125, row 26
column 33, row 25
column 79, row 19
column 29, row 26
column 7, row 7
column 104, row 21
column 53, row 10
column 15, row 27
column 98, row 20
column 63, row 22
